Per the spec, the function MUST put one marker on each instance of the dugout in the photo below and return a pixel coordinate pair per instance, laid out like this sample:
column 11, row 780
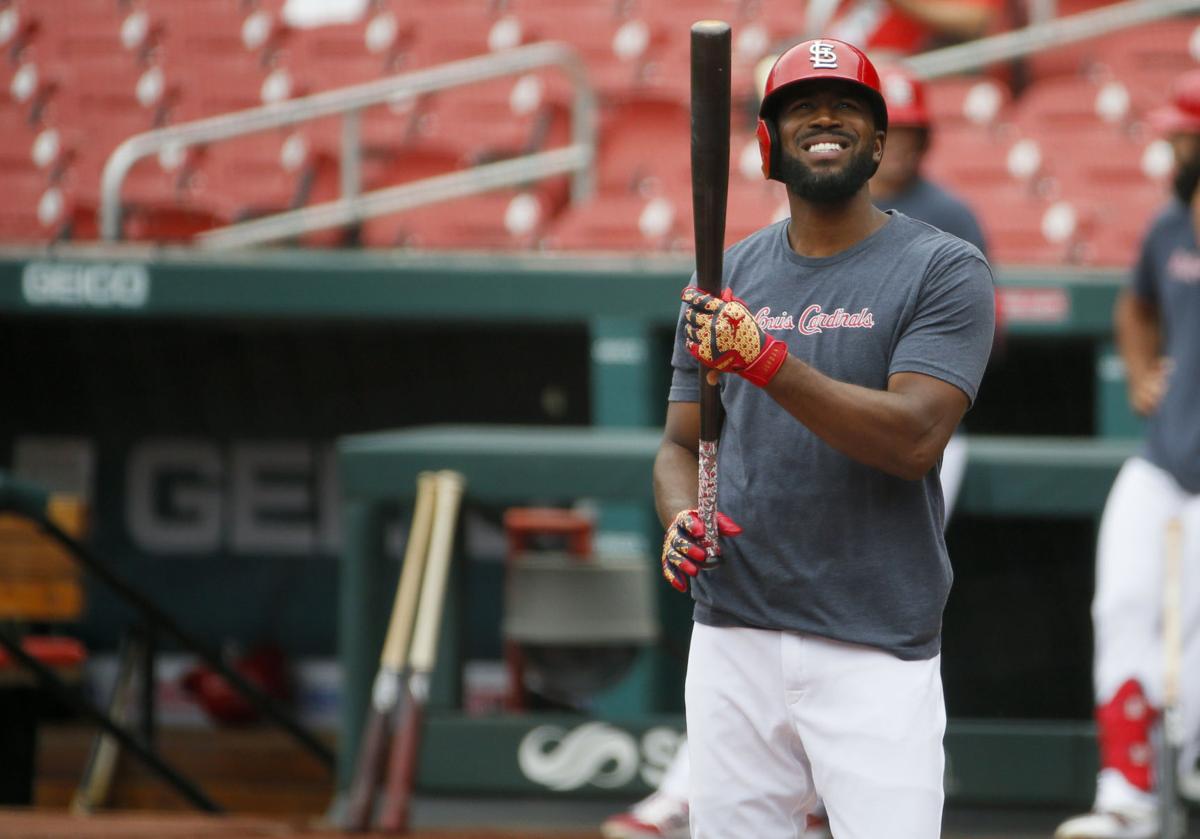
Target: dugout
column 209, row 395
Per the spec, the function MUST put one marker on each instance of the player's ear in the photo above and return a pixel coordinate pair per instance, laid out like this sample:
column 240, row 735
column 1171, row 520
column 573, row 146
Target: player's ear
column 880, row 142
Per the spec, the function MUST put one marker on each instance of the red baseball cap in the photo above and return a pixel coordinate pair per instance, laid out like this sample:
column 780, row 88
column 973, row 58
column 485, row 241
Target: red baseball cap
column 1181, row 115
column 905, row 97
column 820, row 59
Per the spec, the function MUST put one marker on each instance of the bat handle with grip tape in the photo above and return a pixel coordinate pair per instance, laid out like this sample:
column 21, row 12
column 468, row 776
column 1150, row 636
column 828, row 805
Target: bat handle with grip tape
column 710, row 66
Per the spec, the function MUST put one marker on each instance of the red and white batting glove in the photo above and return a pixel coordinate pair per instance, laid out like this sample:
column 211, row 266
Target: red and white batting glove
column 722, row 334
column 683, row 546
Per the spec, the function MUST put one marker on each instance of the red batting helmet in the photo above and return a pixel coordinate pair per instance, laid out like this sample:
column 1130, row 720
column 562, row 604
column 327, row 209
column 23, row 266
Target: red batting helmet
column 808, row 61
column 905, row 95
column 1182, row 113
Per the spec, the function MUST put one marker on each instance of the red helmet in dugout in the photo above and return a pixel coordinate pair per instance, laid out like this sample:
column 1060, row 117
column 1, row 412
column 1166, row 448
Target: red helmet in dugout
column 816, row 60
column 905, row 95
column 1182, row 114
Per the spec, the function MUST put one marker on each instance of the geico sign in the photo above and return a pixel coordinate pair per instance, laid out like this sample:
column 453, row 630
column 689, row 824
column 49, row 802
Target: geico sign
column 98, row 285
column 194, row 496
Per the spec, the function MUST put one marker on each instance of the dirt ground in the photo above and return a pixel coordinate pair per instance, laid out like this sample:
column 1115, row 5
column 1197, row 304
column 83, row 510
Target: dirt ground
column 41, row 824
column 16, row 824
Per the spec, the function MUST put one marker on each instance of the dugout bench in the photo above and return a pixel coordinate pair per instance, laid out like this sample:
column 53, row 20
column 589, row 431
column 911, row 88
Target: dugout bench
column 988, row 761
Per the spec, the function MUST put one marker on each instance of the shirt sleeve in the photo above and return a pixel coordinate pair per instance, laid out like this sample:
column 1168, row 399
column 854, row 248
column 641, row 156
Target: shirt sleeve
column 973, row 233
column 1143, row 280
column 685, row 375
column 949, row 335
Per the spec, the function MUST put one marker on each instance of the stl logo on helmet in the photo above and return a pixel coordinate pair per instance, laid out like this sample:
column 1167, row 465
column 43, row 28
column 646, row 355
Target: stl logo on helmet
column 822, row 55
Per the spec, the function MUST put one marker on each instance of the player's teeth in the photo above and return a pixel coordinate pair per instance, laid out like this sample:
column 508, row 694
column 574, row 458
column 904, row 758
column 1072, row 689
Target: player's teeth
column 820, row 147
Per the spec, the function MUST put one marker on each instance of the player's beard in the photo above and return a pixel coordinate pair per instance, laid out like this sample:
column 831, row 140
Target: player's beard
column 834, row 187
column 1187, row 178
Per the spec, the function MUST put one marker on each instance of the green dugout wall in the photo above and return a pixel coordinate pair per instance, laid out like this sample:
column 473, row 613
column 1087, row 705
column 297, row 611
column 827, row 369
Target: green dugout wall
column 212, row 393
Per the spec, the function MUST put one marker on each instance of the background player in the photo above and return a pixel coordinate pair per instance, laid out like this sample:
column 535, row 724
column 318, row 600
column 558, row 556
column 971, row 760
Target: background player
column 1158, row 333
column 830, row 595
column 898, row 184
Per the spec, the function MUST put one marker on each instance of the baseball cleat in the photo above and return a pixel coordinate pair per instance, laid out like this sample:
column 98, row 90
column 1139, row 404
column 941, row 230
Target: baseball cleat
column 657, row 816
column 1110, row 824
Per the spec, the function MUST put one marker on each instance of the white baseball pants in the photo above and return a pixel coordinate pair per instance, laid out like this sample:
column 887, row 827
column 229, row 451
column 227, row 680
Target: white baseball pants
column 777, row 720
column 1127, row 606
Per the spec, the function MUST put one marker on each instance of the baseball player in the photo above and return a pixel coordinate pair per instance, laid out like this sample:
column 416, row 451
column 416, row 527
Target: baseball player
column 856, row 339
column 897, row 184
column 1156, row 324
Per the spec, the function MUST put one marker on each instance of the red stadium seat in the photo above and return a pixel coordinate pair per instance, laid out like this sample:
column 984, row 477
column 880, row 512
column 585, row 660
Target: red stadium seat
column 492, row 118
column 26, row 214
column 88, row 29
column 250, row 175
column 1164, row 48
column 1061, row 105
column 475, row 31
column 644, row 145
column 972, row 160
column 621, row 223
column 960, row 102
column 501, row 220
column 29, row 81
column 21, row 22
column 1022, row 229
column 413, row 163
column 1152, row 48
column 1119, row 225
column 1097, row 159
column 622, row 53
column 237, row 82
column 18, row 136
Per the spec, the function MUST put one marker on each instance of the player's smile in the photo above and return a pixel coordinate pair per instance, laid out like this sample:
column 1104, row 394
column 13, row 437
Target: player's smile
column 827, row 145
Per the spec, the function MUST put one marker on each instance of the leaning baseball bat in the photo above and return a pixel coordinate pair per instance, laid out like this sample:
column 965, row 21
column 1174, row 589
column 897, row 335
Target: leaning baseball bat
column 388, row 693
column 710, row 189
column 95, row 784
column 1171, row 815
column 402, row 763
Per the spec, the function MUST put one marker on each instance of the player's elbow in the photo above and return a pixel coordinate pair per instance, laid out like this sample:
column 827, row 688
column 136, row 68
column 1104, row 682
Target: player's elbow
column 913, row 468
column 914, row 461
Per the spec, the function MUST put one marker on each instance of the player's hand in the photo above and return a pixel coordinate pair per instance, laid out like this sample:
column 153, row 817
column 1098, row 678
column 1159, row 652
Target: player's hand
column 683, row 552
column 1146, row 389
column 722, row 334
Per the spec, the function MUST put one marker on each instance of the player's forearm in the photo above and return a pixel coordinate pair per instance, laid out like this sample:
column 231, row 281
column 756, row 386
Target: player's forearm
column 886, row 430
column 950, row 18
column 676, row 472
column 1139, row 338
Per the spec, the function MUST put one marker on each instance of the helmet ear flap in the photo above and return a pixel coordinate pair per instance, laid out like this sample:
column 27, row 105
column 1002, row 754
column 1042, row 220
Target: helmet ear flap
column 766, row 146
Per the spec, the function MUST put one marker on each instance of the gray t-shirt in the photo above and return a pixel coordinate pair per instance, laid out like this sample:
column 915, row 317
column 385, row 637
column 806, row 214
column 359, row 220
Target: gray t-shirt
column 935, row 205
column 1168, row 275
column 833, row 547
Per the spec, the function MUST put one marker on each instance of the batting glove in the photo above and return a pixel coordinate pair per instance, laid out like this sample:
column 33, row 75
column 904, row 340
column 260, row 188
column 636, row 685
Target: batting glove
column 683, row 553
column 722, row 334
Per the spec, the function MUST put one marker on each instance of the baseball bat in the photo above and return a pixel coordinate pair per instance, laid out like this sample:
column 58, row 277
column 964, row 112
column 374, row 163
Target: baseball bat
column 1171, row 815
column 402, row 762
column 388, row 694
column 710, row 188
column 95, row 785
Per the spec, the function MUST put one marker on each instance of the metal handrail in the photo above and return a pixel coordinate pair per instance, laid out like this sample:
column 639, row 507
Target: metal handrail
column 31, row 501
column 143, row 751
column 348, row 102
column 1057, row 32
